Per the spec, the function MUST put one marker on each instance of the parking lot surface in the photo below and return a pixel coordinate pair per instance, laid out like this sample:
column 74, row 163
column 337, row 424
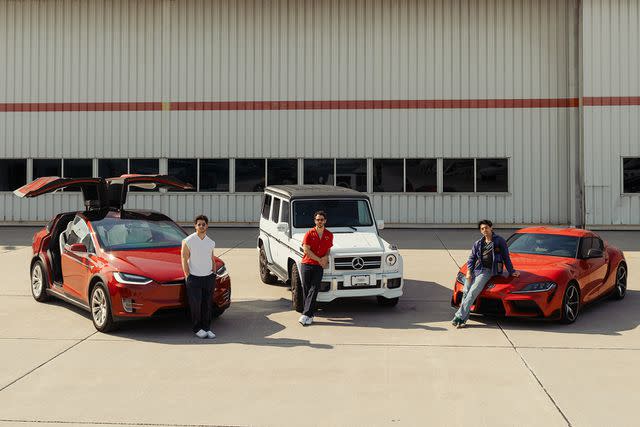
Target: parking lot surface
column 358, row 365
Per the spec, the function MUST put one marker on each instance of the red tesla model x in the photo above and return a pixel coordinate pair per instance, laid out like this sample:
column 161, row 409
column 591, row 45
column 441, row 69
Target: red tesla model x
column 561, row 270
column 112, row 262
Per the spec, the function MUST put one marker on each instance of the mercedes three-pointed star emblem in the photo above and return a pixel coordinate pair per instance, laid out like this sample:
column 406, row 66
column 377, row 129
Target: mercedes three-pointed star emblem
column 358, row 263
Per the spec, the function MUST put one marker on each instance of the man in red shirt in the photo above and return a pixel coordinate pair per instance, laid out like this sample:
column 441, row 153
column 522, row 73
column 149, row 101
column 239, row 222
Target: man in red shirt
column 317, row 243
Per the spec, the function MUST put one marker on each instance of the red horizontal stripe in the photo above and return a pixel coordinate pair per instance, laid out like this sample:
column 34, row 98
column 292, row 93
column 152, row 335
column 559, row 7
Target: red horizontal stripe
column 600, row 101
column 399, row 104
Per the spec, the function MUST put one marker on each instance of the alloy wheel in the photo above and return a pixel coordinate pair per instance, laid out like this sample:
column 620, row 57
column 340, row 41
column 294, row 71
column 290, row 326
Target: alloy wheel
column 621, row 281
column 36, row 280
column 99, row 306
column 572, row 303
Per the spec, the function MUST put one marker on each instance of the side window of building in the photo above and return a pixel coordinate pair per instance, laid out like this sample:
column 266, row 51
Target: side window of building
column 47, row 167
column 631, row 175
column 457, row 175
column 388, row 175
column 275, row 213
column 266, row 206
column 250, row 175
column 186, row 170
column 13, row 174
column 492, row 175
column 285, row 212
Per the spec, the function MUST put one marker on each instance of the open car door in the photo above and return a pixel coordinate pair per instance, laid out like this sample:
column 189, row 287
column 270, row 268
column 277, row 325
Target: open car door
column 93, row 189
column 119, row 186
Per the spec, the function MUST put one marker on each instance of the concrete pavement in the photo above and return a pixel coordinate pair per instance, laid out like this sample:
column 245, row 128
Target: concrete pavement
column 360, row 364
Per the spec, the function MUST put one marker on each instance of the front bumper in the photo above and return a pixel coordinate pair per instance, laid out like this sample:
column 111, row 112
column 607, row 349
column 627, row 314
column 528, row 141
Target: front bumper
column 388, row 285
column 145, row 300
column 498, row 300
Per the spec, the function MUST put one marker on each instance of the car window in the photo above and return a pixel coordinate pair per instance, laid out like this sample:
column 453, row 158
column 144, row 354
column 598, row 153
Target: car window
column 285, row 212
column 125, row 234
column 80, row 234
column 266, row 206
column 543, row 244
column 585, row 246
column 340, row 212
column 597, row 244
column 275, row 213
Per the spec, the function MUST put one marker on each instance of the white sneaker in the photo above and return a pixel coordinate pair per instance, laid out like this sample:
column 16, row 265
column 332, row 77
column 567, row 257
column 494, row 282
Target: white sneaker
column 309, row 320
column 303, row 320
column 201, row 334
column 210, row 334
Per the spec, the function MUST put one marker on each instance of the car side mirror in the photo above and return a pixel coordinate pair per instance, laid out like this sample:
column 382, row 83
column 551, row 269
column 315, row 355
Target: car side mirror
column 595, row 253
column 380, row 224
column 78, row 248
column 282, row 227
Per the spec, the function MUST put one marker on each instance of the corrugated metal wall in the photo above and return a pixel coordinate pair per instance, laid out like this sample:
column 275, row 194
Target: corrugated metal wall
column 611, row 56
column 171, row 51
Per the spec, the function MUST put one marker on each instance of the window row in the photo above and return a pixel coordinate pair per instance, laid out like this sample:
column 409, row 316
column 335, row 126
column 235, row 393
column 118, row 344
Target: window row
column 252, row 175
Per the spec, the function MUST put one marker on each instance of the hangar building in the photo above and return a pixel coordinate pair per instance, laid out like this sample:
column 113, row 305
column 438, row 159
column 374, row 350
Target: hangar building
column 444, row 111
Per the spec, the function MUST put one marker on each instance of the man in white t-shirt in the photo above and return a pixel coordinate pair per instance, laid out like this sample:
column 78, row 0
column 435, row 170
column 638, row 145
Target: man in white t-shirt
column 198, row 264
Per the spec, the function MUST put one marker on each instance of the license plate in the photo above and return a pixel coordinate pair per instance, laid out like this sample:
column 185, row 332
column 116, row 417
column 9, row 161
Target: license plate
column 360, row 280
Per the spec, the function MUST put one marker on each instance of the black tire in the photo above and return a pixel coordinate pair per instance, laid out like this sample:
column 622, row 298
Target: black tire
column 39, row 282
column 570, row 304
column 100, row 308
column 297, row 293
column 387, row 302
column 217, row 311
column 265, row 273
column 620, row 289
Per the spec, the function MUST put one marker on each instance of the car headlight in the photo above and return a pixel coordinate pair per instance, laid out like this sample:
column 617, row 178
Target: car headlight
column 460, row 278
column 536, row 287
column 131, row 279
column 391, row 259
column 222, row 271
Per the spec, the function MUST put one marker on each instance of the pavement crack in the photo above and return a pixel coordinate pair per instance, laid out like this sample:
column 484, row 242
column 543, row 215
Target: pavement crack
column 534, row 375
column 235, row 247
column 446, row 249
column 47, row 361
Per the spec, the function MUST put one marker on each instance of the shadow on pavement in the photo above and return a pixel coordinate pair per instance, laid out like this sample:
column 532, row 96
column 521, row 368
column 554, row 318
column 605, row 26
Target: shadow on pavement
column 604, row 317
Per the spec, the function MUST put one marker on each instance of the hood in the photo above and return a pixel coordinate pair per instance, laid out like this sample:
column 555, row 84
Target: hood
column 161, row 265
column 353, row 242
column 533, row 268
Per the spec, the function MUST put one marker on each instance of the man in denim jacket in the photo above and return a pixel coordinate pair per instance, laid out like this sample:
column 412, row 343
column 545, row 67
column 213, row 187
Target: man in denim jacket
column 488, row 255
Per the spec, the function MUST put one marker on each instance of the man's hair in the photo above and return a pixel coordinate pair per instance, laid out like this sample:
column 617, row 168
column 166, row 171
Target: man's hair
column 323, row 213
column 484, row 222
column 201, row 218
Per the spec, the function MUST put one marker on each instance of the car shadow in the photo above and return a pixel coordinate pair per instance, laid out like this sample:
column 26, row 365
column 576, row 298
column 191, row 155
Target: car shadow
column 603, row 317
column 245, row 322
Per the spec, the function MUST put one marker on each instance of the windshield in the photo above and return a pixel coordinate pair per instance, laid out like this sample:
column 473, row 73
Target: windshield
column 340, row 213
column 123, row 234
column 544, row 244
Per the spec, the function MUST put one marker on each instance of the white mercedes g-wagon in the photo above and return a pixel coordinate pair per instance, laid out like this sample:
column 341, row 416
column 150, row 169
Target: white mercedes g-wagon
column 361, row 263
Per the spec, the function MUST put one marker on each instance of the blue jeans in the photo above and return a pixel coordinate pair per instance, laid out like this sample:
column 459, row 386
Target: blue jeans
column 472, row 289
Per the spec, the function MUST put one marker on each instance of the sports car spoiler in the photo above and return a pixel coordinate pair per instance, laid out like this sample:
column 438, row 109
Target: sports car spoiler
column 100, row 193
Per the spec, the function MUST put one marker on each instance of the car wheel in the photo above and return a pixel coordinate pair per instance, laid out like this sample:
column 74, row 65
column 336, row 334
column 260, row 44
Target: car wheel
column 570, row 304
column 387, row 302
column 297, row 293
column 265, row 273
column 621, row 282
column 217, row 311
column 39, row 282
column 100, row 306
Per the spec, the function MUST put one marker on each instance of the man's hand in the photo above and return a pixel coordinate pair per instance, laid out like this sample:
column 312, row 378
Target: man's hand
column 324, row 261
column 468, row 276
column 516, row 274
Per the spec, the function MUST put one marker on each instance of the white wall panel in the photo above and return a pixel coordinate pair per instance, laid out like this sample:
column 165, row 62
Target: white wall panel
column 611, row 56
column 253, row 50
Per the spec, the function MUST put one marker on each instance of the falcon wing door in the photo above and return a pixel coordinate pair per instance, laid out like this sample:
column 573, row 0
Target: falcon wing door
column 119, row 187
column 93, row 189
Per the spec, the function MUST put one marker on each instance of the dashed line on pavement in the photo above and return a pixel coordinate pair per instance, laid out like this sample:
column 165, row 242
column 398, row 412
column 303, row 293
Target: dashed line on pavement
column 47, row 361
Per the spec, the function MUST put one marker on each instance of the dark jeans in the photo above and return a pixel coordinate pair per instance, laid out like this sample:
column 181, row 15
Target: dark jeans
column 199, row 292
column 311, row 278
